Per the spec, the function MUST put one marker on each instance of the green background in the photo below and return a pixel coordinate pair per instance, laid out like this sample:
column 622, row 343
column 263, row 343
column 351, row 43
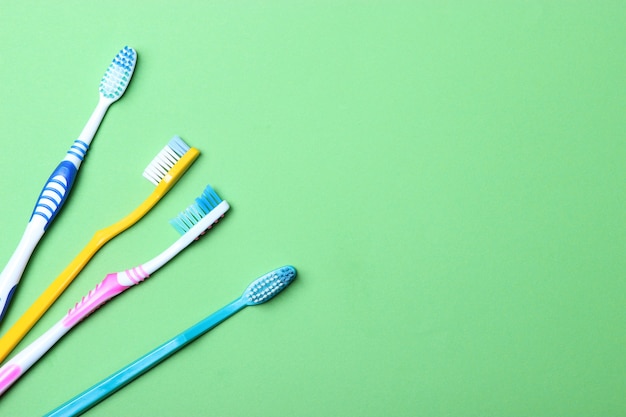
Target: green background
column 447, row 177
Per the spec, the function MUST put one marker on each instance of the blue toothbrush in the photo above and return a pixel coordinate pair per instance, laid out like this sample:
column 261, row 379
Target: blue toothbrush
column 112, row 86
column 260, row 291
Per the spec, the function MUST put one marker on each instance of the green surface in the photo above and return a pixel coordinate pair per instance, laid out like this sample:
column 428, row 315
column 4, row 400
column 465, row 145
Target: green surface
column 447, row 176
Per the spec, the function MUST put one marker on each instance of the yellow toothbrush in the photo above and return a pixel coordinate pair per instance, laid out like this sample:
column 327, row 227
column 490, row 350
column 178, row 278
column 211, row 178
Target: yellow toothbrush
column 164, row 171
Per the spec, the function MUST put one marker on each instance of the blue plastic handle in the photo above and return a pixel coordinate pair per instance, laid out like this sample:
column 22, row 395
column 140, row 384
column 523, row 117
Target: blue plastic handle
column 129, row 373
column 55, row 192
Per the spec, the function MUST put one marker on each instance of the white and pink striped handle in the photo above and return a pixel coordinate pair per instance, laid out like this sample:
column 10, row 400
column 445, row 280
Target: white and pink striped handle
column 109, row 287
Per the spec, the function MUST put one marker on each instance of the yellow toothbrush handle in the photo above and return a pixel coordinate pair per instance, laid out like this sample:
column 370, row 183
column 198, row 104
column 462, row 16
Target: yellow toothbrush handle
column 23, row 325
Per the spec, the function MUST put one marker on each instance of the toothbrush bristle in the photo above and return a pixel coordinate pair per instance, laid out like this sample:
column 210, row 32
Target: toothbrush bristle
column 196, row 211
column 270, row 284
column 165, row 160
column 118, row 74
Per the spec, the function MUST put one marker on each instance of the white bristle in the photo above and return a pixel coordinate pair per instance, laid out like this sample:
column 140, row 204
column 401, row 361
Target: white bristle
column 270, row 284
column 165, row 160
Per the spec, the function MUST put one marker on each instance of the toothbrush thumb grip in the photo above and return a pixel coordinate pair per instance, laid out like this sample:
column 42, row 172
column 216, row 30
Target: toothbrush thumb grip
column 8, row 375
column 55, row 192
column 4, row 302
column 108, row 288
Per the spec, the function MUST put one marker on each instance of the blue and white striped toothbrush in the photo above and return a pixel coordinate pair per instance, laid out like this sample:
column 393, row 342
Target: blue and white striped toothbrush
column 57, row 188
column 192, row 223
column 261, row 290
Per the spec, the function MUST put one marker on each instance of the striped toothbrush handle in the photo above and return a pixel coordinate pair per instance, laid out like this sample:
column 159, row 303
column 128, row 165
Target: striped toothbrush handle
column 58, row 186
column 129, row 373
column 112, row 285
column 49, row 203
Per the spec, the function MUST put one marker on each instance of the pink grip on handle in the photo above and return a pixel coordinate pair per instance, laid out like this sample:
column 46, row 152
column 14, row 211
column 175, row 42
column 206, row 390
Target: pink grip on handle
column 104, row 291
column 8, row 376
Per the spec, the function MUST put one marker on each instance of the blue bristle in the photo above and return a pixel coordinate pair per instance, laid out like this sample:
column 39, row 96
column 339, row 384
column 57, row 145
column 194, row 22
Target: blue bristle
column 117, row 75
column 178, row 145
column 196, row 211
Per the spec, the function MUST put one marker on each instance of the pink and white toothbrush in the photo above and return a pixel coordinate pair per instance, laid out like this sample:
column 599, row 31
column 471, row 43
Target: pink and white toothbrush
column 192, row 223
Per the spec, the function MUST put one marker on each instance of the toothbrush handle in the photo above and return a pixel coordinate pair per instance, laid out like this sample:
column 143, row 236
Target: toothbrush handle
column 129, row 373
column 19, row 364
column 92, row 125
column 109, row 287
column 12, row 272
column 55, row 192
column 49, row 203
column 61, row 180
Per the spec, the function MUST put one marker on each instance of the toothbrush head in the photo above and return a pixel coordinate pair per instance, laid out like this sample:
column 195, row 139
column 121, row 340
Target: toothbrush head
column 197, row 211
column 162, row 164
column 118, row 74
column 270, row 284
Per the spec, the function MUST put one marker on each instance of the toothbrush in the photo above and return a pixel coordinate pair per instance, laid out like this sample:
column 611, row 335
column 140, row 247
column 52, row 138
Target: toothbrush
column 260, row 291
column 59, row 184
column 164, row 171
column 193, row 222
